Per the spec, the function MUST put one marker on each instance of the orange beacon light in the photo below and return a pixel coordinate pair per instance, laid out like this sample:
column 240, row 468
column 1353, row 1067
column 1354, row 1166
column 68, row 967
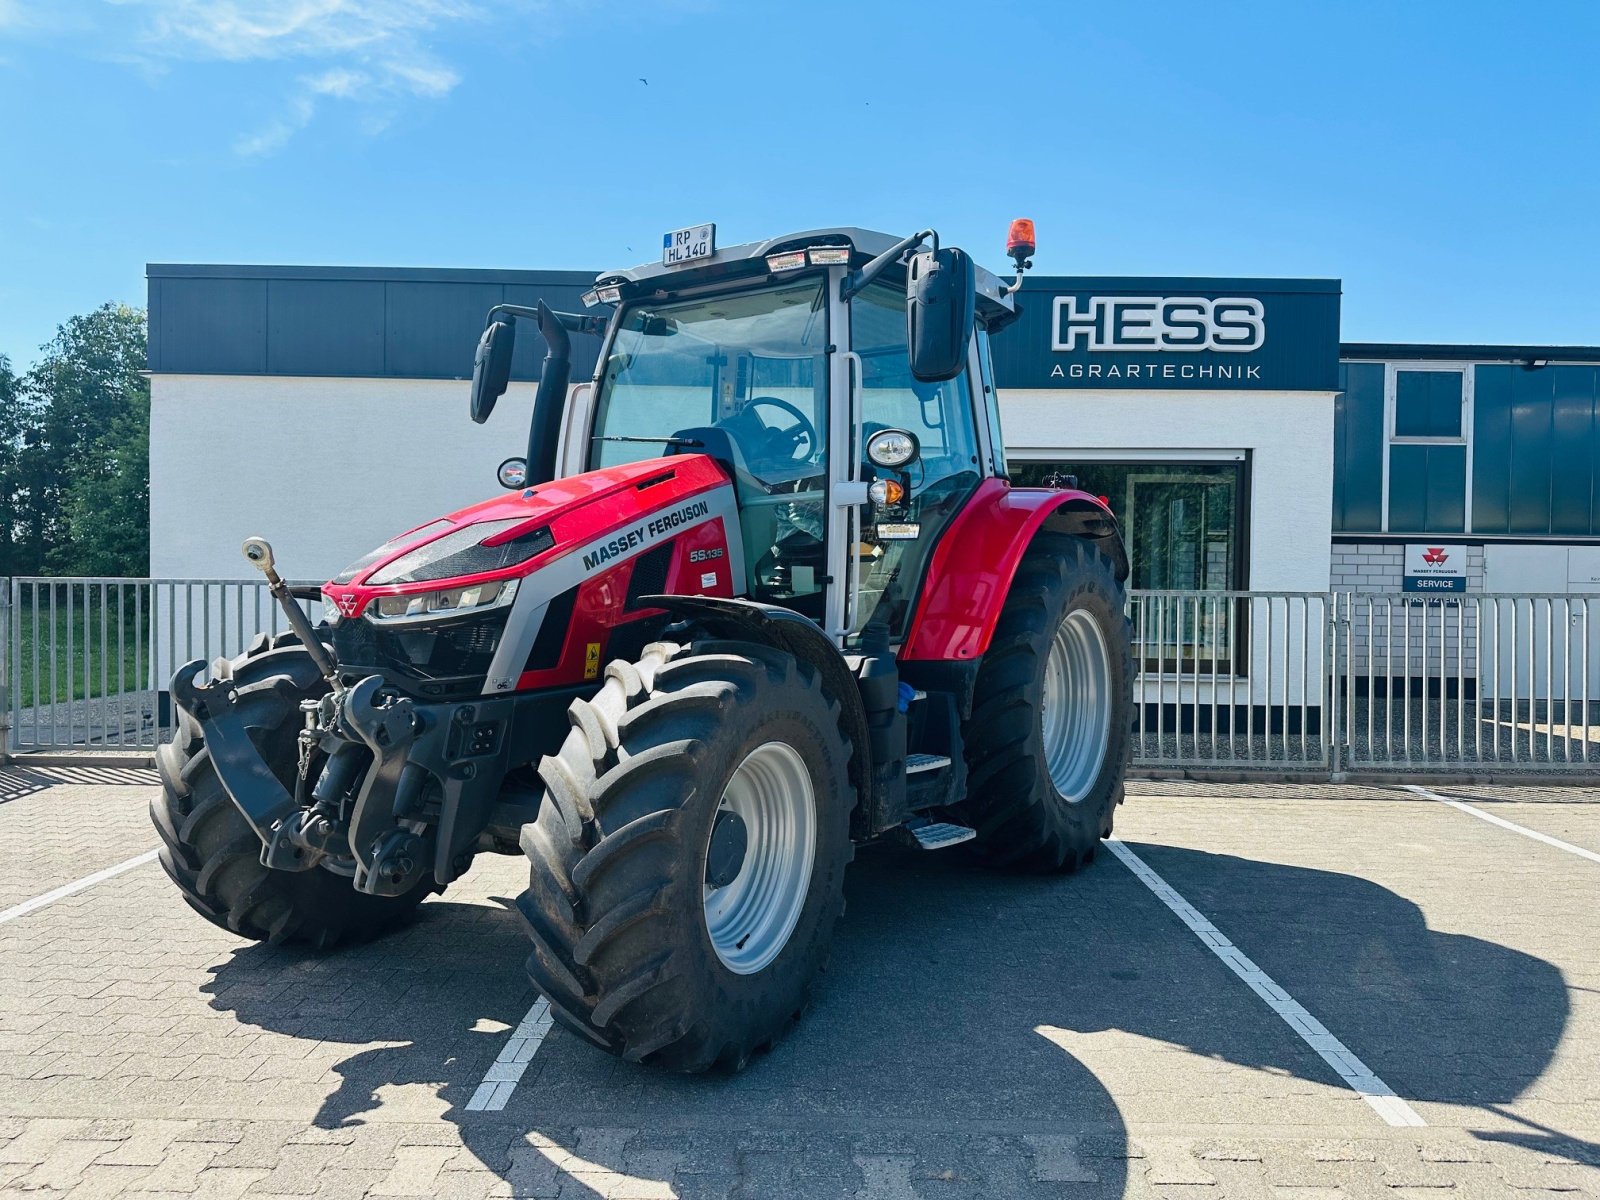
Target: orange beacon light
column 1020, row 242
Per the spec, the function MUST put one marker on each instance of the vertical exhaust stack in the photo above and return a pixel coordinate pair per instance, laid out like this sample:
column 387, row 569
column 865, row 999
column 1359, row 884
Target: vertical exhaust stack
column 544, row 431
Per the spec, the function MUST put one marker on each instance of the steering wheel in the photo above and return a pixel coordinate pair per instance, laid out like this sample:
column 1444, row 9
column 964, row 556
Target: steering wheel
column 803, row 432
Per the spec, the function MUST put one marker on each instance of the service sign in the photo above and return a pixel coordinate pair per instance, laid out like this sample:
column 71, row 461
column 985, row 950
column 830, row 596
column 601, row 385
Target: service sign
column 1435, row 569
column 1155, row 334
column 683, row 246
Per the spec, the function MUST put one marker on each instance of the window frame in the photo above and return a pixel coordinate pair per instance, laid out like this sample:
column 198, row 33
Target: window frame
column 1391, row 384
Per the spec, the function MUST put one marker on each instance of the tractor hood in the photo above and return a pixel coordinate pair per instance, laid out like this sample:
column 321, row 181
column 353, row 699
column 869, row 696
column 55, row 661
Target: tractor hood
column 511, row 536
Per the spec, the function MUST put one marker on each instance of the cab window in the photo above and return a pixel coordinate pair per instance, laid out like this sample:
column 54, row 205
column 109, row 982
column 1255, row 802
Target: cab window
column 896, row 541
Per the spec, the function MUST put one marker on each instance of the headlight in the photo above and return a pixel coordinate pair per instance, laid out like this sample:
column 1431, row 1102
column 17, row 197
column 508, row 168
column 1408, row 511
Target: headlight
column 462, row 552
column 446, row 602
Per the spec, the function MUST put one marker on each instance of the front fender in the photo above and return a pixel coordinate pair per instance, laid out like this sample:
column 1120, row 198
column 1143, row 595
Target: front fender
column 750, row 620
column 977, row 558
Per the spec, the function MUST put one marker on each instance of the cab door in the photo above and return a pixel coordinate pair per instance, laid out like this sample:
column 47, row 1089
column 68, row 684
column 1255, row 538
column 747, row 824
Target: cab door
column 887, row 548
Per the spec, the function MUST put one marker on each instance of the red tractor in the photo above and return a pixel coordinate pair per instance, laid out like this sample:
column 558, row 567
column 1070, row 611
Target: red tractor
column 760, row 593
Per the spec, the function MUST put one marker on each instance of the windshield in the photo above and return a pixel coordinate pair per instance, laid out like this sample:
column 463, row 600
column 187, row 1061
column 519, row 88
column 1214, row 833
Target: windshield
column 752, row 363
column 744, row 377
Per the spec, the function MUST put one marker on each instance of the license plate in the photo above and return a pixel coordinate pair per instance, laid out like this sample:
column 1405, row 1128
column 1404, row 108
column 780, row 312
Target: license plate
column 686, row 245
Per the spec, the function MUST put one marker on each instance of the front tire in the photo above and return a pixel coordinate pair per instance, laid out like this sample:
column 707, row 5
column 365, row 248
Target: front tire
column 1049, row 738
column 664, row 929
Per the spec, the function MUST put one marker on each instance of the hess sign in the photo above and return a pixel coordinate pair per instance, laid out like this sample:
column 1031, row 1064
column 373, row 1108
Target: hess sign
column 1229, row 324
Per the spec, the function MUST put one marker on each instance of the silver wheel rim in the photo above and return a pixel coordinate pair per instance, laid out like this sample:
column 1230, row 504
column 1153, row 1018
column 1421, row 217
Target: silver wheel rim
column 1075, row 716
column 750, row 919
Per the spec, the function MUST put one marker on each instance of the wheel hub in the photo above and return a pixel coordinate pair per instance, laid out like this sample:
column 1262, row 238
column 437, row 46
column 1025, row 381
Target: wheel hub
column 759, row 855
column 730, row 838
column 1075, row 708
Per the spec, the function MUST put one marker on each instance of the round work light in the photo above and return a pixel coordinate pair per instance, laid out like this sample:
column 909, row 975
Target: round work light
column 891, row 448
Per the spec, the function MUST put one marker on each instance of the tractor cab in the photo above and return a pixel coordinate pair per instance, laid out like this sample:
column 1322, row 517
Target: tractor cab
column 839, row 376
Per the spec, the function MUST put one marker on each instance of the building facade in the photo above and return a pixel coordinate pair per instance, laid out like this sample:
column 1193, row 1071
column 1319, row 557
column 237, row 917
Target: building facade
column 1242, row 445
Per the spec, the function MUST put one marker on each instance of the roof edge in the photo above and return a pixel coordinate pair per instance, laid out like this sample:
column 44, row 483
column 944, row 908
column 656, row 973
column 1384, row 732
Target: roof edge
column 1464, row 352
column 364, row 274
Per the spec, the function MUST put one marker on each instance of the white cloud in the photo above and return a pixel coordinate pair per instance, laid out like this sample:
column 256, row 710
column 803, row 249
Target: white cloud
column 376, row 55
column 373, row 53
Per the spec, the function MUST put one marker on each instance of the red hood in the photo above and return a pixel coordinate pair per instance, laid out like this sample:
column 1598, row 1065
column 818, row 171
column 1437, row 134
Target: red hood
column 576, row 510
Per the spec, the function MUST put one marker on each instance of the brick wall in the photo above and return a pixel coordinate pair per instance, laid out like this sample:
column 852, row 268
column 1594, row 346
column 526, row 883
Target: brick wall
column 1404, row 635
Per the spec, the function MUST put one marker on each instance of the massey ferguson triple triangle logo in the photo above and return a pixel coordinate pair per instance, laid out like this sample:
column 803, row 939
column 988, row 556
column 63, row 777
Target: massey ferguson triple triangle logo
column 1231, row 324
column 1434, row 556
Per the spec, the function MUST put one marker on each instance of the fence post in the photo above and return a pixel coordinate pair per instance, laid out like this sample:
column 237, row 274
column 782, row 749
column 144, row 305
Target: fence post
column 8, row 660
column 1332, row 678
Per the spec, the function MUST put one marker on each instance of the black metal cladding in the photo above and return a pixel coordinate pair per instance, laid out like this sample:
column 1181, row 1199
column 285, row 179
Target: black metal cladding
column 347, row 321
column 1358, row 448
column 1536, row 450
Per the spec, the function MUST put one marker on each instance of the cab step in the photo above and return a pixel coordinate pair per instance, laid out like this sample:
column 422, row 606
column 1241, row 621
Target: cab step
column 917, row 763
column 936, row 835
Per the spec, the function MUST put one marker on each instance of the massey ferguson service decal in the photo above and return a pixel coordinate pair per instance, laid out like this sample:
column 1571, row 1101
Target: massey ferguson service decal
column 624, row 543
column 1435, row 569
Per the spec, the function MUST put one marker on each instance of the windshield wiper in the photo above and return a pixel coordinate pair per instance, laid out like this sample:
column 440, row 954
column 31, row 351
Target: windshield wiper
column 665, row 441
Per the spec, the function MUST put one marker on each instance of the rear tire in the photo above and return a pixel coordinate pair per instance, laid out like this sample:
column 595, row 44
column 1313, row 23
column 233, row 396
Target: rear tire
column 210, row 851
column 1049, row 739
column 632, row 946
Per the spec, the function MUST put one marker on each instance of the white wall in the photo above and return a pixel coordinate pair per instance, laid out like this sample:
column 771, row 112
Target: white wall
column 1290, row 435
column 325, row 469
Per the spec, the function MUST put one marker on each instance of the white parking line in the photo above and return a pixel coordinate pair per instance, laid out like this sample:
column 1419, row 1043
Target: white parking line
column 28, row 906
column 1505, row 824
column 506, row 1071
column 1355, row 1073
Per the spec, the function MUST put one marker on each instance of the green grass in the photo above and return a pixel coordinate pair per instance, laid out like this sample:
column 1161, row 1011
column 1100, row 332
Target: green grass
column 83, row 670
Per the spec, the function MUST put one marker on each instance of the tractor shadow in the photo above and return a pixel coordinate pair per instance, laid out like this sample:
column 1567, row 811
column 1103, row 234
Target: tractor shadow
column 935, row 1048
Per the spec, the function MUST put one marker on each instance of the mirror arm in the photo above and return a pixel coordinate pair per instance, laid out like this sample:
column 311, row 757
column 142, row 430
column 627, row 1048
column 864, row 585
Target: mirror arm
column 857, row 280
column 576, row 322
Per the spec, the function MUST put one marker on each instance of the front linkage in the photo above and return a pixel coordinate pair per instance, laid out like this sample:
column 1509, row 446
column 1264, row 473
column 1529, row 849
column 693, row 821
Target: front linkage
column 397, row 790
column 343, row 727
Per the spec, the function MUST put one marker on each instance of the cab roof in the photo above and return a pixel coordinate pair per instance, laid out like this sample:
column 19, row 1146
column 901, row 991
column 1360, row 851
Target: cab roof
column 748, row 260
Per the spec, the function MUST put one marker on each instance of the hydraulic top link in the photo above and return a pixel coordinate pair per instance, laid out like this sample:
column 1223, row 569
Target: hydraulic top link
column 259, row 552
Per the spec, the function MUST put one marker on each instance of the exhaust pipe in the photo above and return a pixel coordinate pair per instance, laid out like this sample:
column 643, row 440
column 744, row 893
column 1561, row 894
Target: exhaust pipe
column 550, row 402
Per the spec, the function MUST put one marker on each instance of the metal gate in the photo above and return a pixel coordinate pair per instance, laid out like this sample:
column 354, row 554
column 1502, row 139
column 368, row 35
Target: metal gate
column 1330, row 684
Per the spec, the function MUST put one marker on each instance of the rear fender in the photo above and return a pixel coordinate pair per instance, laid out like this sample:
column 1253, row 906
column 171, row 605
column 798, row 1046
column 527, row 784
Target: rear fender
column 977, row 557
column 752, row 621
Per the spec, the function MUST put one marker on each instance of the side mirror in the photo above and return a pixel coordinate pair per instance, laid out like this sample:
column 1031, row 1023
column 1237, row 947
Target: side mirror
column 940, row 294
column 491, row 366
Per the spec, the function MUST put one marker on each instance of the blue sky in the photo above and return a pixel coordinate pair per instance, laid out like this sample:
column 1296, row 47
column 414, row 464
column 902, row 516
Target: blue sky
column 1442, row 159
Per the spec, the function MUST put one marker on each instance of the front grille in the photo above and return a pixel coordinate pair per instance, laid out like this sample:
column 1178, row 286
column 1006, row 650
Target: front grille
column 444, row 659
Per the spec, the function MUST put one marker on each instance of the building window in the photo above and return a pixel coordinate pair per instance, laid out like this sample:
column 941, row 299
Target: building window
column 1187, row 529
column 1425, row 465
column 1427, row 404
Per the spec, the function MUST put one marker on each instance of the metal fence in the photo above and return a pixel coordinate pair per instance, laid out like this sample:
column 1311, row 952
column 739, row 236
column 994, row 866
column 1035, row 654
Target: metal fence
column 1288, row 684
column 86, row 661
column 1329, row 684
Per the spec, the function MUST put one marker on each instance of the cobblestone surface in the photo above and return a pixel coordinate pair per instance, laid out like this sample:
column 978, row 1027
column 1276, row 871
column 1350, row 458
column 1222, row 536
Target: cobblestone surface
column 976, row 1036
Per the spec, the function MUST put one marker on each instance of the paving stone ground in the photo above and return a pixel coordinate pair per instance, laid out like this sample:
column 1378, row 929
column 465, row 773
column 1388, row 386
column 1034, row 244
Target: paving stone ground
column 977, row 1035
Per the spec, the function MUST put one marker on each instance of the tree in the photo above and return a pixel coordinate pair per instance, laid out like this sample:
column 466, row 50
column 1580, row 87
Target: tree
column 83, row 453
column 12, row 496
